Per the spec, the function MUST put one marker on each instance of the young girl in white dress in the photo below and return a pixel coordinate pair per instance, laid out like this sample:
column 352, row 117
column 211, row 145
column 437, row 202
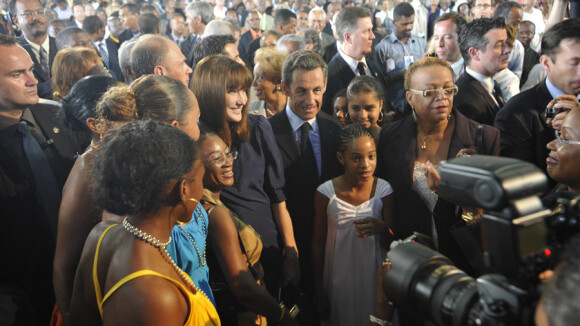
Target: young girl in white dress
column 351, row 231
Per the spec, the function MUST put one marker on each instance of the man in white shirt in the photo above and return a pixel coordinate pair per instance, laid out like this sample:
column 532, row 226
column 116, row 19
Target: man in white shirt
column 535, row 16
column 446, row 41
column 317, row 22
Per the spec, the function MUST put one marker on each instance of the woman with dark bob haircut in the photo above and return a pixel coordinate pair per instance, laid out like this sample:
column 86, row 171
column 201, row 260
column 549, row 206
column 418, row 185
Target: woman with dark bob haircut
column 150, row 173
column 257, row 197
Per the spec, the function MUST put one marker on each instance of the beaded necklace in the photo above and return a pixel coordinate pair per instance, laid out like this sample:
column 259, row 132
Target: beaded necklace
column 162, row 246
column 202, row 260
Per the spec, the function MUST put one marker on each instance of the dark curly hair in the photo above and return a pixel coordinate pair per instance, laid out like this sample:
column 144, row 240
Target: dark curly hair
column 136, row 163
column 350, row 133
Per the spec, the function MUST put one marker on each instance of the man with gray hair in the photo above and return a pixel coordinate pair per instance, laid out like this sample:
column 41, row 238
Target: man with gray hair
column 154, row 54
column 198, row 15
column 71, row 37
column 317, row 21
column 354, row 28
column 306, row 138
column 125, row 60
column 219, row 27
column 290, row 43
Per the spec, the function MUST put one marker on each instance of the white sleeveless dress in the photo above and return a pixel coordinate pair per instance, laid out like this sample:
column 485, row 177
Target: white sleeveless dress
column 350, row 262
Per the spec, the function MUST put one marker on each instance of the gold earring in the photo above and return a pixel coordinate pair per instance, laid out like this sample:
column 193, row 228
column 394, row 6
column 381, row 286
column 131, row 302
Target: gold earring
column 193, row 200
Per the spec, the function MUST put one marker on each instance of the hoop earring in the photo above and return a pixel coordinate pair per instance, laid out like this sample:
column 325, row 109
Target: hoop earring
column 347, row 117
column 193, row 200
column 381, row 117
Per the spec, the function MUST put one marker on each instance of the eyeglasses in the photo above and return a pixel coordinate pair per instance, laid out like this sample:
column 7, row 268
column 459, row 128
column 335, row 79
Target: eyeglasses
column 30, row 14
column 564, row 141
column 222, row 159
column 432, row 93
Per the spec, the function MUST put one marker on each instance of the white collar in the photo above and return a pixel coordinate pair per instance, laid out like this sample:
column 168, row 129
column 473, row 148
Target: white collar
column 486, row 81
column 352, row 63
column 296, row 122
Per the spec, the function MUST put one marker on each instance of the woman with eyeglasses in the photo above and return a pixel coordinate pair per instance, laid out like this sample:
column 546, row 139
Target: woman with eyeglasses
column 234, row 247
column 222, row 89
column 562, row 162
column 410, row 149
column 267, row 83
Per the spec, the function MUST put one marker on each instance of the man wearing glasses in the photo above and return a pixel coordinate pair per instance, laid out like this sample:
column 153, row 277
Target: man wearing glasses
column 485, row 52
column 29, row 16
column 482, row 9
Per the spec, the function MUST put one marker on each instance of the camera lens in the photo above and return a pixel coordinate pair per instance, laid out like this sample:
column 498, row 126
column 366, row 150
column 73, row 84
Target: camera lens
column 423, row 279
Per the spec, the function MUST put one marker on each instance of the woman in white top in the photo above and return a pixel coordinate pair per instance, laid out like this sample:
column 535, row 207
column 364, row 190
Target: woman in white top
column 351, row 231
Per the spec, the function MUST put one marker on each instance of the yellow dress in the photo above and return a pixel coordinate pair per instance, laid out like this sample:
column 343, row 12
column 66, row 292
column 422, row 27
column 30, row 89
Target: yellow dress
column 201, row 310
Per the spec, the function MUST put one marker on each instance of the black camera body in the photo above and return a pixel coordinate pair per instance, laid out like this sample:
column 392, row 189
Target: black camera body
column 521, row 239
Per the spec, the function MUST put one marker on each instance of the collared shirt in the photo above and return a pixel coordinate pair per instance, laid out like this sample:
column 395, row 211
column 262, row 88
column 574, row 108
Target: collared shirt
column 176, row 39
column 390, row 53
column 458, row 68
column 296, row 122
column 486, row 81
column 36, row 48
column 255, row 34
column 352, row 63
column 554, row 91
column 27, row 116
column 516, row 59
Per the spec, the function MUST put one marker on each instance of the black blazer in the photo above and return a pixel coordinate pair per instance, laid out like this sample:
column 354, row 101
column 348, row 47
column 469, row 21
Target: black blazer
column 474, row 101
column 396, row 159
column 244, row 44
column 30, row 252
column 124, row 36
column 44, row 81
column 114, row 67
column 340, row 75
column 299, row 189
column 329, row 52
column 522, row 123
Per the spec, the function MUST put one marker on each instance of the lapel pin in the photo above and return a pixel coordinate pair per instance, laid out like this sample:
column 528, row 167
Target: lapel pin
column 55, row 130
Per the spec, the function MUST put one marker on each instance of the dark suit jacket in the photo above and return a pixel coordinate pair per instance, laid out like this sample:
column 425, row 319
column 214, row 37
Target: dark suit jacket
column 114, row 66
column 187, row 48
column 44, row 81
column 395, row 163
column 329, row 52
column 474, row 101
column 300, row 190
column 124, row 36
column 431, row 22
column 340, row 75
column 252, row 48
column 27, row 240
column 522, row 123
column 244, row 45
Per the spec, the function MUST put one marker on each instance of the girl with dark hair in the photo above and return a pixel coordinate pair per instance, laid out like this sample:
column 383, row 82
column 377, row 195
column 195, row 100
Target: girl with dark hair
column 351, row 232
column 365, row 103
column 150, row 173
column 222, row 88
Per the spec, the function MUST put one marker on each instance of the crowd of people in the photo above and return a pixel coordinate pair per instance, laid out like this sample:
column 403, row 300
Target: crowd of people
column 248, row 162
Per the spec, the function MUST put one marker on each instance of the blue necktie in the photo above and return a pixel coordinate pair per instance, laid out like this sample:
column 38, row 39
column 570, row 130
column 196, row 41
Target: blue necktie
column 46, row 186
column 104, row 54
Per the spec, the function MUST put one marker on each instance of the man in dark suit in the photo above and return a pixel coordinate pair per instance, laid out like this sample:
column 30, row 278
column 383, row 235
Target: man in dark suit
column 354, row 28
column 485, row 52
column 253, row 33
column 522, row 122
column 36, row 155
column 308, row 141
column 198, row 15
column 78, row 16
column 129, row 15
column 30, row 18
column 107, row 49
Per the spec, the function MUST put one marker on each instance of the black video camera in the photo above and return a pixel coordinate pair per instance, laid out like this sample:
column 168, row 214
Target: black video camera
column 521, row 238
